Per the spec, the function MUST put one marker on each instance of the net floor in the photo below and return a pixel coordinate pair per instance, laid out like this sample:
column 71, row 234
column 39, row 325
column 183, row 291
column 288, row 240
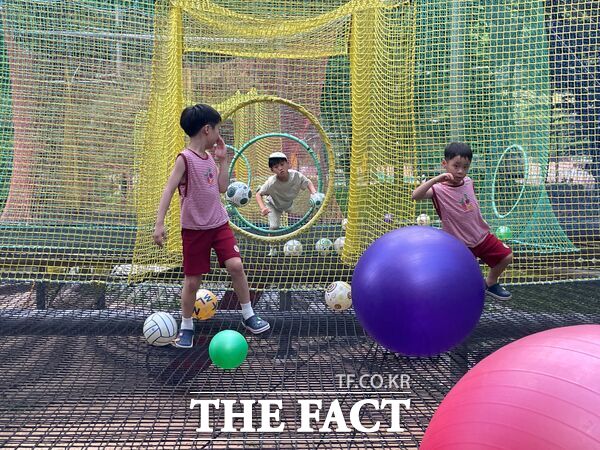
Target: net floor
column 85, row 378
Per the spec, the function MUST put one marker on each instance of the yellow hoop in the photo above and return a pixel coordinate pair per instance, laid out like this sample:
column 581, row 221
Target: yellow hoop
column 331, row 167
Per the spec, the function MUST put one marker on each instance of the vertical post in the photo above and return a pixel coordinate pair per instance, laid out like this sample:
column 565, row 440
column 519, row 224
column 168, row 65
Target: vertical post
column 40, row 295
column 457, row 72
column 285, row 301
column 163, row 138
column 101, row 298
column 188, row 85
column 362, row 62
column 172, row 109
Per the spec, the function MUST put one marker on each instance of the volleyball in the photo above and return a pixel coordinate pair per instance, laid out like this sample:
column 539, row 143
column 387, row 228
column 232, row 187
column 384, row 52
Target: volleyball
column 338, row 296
column 292, row 248
column 160, row 329
column 323, row 246
column 206, row 305
column 238, row 194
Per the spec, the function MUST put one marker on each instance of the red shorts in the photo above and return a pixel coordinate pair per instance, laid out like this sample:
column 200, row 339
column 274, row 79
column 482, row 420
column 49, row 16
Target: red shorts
column 491, row 250
column 197, row 245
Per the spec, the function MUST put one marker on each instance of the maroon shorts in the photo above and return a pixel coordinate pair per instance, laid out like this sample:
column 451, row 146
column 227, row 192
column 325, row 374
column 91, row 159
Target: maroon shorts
column 491, row 250
column 197, row 245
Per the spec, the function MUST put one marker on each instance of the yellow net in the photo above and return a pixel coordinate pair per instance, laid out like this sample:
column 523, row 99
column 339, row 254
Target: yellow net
column 302, row 59
column 361, row 95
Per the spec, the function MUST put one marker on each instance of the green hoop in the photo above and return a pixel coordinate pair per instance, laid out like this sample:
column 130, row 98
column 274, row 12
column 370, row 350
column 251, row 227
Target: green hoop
column 249, row 100
column 310, row 151
column 237, row 155
column 526, row 162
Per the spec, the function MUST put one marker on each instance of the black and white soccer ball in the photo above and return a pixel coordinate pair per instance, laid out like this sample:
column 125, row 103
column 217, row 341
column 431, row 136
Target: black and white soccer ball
column 238, row 194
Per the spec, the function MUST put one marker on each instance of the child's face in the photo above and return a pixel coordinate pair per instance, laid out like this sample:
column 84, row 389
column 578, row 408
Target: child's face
column 281, row 169
column 458, row 167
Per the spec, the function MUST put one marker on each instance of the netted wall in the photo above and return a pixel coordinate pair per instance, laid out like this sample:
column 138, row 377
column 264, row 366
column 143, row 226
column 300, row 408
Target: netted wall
column 289, row 69
column 516, row 81
column 89, row 127
column 75, row 80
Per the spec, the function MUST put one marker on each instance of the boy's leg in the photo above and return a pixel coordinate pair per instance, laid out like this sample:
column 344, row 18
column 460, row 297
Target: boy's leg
column 196, row 261
column 191, row 284
column 238, row 279
column 229, row 257
column 274, row 224
column 494, row 288
column 496, row 271
column 240, row 285
column 274, row 215
column 497, row 255
column 185, row 338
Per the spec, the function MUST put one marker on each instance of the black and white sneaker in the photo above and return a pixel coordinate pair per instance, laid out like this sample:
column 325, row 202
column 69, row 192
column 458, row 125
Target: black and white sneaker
column 255, row 324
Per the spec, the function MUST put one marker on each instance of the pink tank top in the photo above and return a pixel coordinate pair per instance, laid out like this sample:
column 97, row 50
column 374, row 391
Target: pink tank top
column 459, row 210
column 200, row 200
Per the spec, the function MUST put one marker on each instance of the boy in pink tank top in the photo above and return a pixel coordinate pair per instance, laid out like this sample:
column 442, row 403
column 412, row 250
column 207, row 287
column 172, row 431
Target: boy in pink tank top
column 201, row 179
column 454, row 199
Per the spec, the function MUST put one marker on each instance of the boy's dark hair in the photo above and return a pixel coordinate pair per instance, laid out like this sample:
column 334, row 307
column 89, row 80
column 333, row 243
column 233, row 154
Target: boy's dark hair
column 275, row 158
column 275, row 161
column 194, row 118
column 461, row 149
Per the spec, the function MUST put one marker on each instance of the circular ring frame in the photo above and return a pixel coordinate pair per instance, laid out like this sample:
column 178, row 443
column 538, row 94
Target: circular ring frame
column 330, row 157
column 240, row 153
column 237, row 154
column 526, row 163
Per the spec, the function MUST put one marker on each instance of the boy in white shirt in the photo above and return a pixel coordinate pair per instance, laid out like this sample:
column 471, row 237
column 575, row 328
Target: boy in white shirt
column 281, row 189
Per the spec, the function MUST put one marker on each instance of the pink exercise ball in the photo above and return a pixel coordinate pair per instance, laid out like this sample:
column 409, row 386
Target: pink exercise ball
column 540, row 392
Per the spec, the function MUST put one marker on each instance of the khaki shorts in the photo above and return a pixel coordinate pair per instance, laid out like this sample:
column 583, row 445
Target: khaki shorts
column 274, row 216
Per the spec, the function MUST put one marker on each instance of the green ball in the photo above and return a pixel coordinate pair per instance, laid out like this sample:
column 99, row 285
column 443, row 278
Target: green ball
column 228, row 349
column 503, row 233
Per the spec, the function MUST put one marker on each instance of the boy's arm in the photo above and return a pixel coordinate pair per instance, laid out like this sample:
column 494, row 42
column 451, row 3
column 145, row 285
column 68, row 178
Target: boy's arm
column 263, row 209
column 223, row 165
column 223, row 175
column 165, row 200
column 316, row 198
column 424, row 191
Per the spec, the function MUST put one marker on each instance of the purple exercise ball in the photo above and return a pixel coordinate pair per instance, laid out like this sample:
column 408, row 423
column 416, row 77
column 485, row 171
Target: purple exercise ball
column 418, row 291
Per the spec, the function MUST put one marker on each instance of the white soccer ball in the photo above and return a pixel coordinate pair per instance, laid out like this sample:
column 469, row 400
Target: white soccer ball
column 317, row 199
column 338, row 296
column 344, row 224
column 338, row 245
column 160, row 328
column 323, row 246
column 423, row 220
column 238, row 194
column 292, row 248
